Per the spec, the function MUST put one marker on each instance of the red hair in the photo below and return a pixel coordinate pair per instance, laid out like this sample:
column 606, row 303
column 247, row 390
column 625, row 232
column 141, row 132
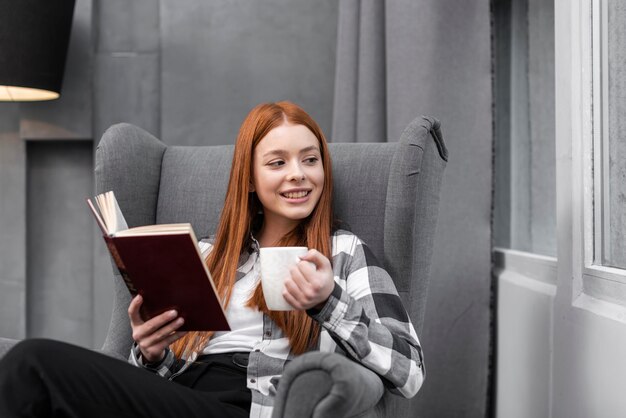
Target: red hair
column 240, row 211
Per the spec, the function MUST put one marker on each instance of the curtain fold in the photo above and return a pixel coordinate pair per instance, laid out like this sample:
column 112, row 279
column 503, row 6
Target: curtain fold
column 396, row 60
column 359, row 112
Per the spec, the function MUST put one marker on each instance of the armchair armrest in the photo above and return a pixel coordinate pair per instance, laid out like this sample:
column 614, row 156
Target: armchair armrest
column 6, row 344
column 320, row 384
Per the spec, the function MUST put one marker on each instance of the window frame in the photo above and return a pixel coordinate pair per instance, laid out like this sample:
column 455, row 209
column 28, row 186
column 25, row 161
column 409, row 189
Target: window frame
column 590, row 155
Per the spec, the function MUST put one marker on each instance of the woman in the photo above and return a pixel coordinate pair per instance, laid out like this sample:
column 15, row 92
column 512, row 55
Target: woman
column 279, row 194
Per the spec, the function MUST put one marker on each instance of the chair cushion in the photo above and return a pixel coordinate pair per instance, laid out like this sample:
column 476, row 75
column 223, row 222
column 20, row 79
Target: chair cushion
column 193, row 186
column 194, row 180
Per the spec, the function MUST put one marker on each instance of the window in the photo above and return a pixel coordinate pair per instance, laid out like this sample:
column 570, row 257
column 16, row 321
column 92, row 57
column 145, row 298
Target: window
column 603, row 153
column 525, row 176
column 611, row 214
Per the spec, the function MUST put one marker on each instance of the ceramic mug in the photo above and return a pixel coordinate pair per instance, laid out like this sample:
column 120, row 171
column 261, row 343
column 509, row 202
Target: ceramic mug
column 275, row 264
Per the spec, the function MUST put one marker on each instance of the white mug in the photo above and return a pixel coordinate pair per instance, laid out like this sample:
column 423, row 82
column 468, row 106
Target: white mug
column 275, row 263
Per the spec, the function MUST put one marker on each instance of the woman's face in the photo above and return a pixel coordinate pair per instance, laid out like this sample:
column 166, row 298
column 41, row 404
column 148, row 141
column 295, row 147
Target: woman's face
column 288, row 176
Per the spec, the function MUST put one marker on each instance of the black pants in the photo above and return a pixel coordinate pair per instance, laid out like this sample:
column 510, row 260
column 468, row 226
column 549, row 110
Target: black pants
column 45, row 378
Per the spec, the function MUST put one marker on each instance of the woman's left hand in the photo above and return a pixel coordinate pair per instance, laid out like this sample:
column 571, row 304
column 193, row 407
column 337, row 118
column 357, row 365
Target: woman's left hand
column 310, row 283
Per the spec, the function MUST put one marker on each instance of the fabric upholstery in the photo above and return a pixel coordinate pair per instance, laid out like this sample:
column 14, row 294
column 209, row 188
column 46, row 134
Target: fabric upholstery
column 193, row 186
column 6, row 344
column 386, row 193
column 327, row 385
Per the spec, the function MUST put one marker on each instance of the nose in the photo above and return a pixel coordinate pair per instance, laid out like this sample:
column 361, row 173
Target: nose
column 296, row 173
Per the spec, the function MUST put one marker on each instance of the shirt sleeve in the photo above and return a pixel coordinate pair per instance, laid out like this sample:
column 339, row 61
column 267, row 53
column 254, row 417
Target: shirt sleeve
column 164, row 368
column 206, row 246
column 365, row 316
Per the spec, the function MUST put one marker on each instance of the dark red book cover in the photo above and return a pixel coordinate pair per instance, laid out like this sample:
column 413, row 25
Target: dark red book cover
column 169, row 273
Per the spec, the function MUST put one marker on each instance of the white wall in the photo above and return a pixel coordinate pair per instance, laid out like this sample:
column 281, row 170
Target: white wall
column 555, row 359
column 526, row 286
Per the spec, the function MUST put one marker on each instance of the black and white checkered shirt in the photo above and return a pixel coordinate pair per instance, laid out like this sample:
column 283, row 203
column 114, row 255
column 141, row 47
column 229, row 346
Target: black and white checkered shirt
column 363, row 319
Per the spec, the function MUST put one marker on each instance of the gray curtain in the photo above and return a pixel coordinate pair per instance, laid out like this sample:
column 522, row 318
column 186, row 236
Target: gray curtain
column 359, row 111
column 396, row 60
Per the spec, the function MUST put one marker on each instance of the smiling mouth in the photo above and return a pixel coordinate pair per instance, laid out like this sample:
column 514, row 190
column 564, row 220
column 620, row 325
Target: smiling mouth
column 296, row 195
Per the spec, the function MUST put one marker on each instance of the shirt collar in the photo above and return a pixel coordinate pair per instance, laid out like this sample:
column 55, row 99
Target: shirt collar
column 254, row 244
column 252, row 248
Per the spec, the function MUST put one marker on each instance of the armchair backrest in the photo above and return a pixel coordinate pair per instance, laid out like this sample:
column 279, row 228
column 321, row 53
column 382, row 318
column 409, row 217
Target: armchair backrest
column 387, row 193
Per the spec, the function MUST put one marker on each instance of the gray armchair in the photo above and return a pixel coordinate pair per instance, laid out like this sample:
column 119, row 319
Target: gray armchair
column 387, row 193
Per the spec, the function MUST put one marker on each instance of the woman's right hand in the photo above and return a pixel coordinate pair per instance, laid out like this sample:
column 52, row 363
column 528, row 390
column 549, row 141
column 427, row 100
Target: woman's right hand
column 155, row 335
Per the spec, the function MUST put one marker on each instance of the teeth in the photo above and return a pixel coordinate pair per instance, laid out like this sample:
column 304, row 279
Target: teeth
column 295, row 195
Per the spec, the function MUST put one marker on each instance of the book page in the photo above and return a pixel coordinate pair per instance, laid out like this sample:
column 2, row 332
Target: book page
column 161, row 229
column 101, row 203
column 120, row 222
column 99, row 219
column 110, row 213
column 109, row 200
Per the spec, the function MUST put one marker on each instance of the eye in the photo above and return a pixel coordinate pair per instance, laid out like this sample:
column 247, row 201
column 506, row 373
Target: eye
column 276, row 163
column 311, row 160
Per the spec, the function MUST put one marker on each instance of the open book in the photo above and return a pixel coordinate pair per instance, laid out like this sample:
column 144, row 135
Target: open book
column 163, row 263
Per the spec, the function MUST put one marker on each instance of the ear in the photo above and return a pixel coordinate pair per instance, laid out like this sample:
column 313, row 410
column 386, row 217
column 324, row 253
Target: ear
column 251, row 187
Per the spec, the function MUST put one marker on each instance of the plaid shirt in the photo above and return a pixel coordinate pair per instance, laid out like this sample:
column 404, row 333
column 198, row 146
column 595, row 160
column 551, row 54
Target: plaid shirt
column 363, row 319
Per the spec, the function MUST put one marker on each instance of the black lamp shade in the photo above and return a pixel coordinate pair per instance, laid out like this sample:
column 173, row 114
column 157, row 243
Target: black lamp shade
column 34, row 35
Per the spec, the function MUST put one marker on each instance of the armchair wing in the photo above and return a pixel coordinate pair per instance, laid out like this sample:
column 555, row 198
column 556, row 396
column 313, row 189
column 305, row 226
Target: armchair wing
column 6, row 344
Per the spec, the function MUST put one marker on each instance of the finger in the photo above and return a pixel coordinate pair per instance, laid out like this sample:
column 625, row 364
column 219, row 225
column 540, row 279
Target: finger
column 316, row 280
column 309, row 283
column 295, row 303
column 295, row 286
column 160, row 348
column 146, row 329
column 293, row 291
column 175, row 337
column 318, row 259
column 162, row 333
column 153, row 325
column 167, row 329
column 133, row 310
column 298, row 279
column 307, row 270
column 157, row 348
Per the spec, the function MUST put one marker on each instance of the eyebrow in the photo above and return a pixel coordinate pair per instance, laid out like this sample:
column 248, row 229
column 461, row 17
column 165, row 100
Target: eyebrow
column 283, row 152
